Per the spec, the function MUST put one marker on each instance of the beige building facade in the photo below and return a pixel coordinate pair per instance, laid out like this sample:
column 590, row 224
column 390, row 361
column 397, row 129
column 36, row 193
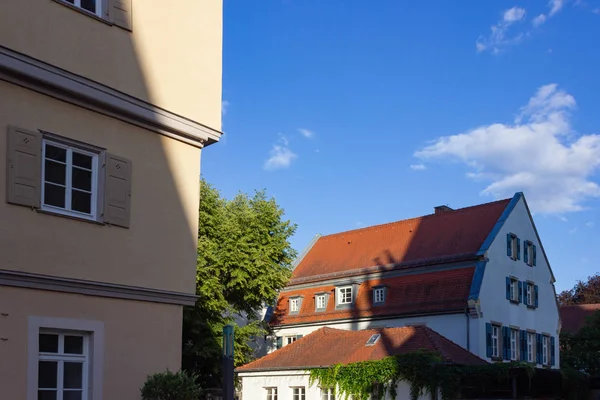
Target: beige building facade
column 105, row 107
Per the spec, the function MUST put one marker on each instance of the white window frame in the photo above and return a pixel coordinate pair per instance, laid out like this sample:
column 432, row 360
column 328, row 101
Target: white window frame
column 95, row 344
column 271, row 393
column 94, row 194
column 320, row 301
column 341, row 295
column 545, row 350
column 514, row 340
column 530, row 346
column 514, row 289
column 530, row 294
column 100, row 7
column 299, row 393
column 495, row 340
column 290, row 339
column 513, row 246
column 379, row 295
column 327, row 393
column 529, row 250
column 295, row 304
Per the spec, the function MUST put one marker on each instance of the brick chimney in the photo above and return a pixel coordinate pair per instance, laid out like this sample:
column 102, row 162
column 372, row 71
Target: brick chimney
column 442, row 209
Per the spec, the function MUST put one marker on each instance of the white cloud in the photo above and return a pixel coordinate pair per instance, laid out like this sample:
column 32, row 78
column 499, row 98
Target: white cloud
column 498, row 37
column 555, row 6
column 590, row 224
column 538, row 154
column 539, row 20
column 572, row 231
column 306, row 133
column 596, row 10
column 224, row 106
column 280, row 156
column 418, row 167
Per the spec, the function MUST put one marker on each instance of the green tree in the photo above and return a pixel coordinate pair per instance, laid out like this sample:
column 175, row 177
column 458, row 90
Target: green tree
column 244, row 259
column 587, row 292
column 581, row 351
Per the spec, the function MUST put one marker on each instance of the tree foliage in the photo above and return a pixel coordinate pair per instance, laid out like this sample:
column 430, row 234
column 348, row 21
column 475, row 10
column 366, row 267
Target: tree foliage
column 581, row 351
column 582, row 293
column 244, row 259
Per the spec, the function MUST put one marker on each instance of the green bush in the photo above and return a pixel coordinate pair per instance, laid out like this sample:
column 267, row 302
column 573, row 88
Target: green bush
column 171, row 386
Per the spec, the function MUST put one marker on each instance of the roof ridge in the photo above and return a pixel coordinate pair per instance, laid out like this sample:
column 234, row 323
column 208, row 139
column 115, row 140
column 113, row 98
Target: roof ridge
column 412, row 219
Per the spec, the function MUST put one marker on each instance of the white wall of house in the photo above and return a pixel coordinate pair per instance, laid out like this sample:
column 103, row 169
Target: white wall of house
column 495, row 306
column 255, row 384
column 453, row 327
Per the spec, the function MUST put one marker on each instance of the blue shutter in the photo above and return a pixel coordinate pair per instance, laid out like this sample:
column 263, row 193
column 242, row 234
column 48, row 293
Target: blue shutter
column 526, row 251
column 279, row 342
column 520, row 292
column 518, row 249
column 552, row 349
column 506, row 343
column 488, row 339
column 523, row 341
column 508, row 244
column 538, row 340
column 535, row 291
column 534, row 255
column 298, row 336
column 507, row 288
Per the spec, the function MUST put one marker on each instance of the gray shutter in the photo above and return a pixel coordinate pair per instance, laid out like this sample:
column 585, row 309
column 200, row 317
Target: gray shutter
column 117, row 191
column 120, row 13
column 24, row 167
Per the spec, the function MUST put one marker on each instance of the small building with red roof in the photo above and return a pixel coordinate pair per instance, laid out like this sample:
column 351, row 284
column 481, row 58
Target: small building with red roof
column 574, row 317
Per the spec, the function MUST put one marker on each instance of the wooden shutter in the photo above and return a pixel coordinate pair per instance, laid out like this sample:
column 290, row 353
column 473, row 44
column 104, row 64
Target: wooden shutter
column 507, row 288
column 518, row 249
column 538, row 347
column 535, row 293
column 552, row 350
column 298, row 336
column 505, row 343
column 23, row 167
column 534, row 256
column 523, row 342
column 117, row 190
column 488, row 339
column 520, row 289
column 120, row 13
column 526, row 252
column 279, row 342
column 509, row 244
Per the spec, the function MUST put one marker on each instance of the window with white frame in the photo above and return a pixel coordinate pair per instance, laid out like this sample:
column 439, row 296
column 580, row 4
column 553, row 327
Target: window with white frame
column 344, row 295
column 271, row 393
column 294, row 305
column 530, row 346
column 514, row 246
column 546, row 350
column 299, row 393
column 320, row 300
column 379, row 295
column 529, row 294
column 514, row 289
column 495, row 340
column 63, row 363
column 69, row 180
column 529, row 253
column 93, row 6
column 514, row 334
column 327, row 394
column 290, row 339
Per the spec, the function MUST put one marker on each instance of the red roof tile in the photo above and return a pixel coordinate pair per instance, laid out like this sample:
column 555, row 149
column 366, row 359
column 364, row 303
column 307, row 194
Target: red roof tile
column 435, row 291
column 573, row 318
column 450, row 233
column 328, row 346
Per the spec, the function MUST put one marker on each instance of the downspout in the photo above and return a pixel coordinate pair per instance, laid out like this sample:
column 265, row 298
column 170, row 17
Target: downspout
column 468, row 329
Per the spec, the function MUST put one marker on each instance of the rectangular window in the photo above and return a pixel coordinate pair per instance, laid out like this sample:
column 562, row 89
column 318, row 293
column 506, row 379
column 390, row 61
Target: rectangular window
column 320, row 300
column 294, row 305
column 271, row 393
column 93, row 6
column 378, row 295
column 299, row 393
column 290, row 339
column 344, row 295
column 530, row 346
column 327, row 394
column 63, row 362
column 69, row 180
column 529, row 294
column 514, row 290
column 514, row 334
column 546, row 350
column 495, row 340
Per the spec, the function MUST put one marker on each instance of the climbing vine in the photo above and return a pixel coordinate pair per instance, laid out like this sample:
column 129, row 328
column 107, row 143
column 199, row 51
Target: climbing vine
column 423, row 370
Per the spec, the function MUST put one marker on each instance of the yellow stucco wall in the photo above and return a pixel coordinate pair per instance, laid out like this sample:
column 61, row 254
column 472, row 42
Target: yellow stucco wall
column 172, row 58
column 140, row 338
column 157, row 251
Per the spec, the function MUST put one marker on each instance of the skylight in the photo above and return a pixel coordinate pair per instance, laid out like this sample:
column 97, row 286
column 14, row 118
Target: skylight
column 373, row 339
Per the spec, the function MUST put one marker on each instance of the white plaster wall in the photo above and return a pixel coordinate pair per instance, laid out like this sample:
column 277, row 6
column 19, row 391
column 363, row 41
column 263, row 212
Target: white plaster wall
column 453, row 327
column 495, row 306
column 254, row 386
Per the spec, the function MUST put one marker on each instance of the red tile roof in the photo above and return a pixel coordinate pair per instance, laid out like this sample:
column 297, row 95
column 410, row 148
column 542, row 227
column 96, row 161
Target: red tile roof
column 328, row 346
column 434, row 291
column 573, row 318
column 451, row 233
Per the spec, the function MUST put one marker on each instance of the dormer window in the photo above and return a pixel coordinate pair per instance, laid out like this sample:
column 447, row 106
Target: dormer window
column 321, row 301
column 379, row 293
column 295, row 304
column 344, row 295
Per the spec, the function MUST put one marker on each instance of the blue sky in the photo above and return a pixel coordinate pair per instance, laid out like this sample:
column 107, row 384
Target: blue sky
column 353, row 113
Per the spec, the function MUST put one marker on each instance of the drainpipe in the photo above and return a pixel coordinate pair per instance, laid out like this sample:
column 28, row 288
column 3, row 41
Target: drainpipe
column 468, row 329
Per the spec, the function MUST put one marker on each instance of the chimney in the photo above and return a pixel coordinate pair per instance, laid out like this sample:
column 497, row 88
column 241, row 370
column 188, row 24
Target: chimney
column 442, row 209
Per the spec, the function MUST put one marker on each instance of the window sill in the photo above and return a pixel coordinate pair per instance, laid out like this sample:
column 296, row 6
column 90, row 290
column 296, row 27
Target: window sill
column 531, row 307
column 515, row 302
column 343, row 306
column 57, row 214
column 84, row 12
column 320, row 310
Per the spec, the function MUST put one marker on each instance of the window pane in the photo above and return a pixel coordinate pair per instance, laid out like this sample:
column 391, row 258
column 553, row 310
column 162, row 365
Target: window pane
column 82, row 179
column 74, row 395
column 89, row 5
column 47, row 374
column 46, row 395
column 73, row 375
column 48, row 343
column 55, row 172
column 54, row 195
column 56, row 153
column 81, row 201
column 82, row 160
column 74, row 344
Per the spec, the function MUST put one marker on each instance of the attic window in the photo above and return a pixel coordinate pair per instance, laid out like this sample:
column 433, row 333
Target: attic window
column 373, row 339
